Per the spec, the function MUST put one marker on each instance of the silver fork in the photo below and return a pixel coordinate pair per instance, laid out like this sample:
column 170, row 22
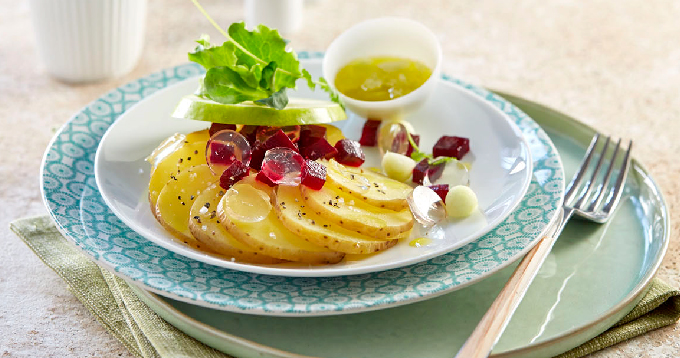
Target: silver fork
column 579, row 199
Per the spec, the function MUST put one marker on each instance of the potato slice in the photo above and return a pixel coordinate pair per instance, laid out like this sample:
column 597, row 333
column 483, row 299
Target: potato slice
column 205, row 226
column 296, row 217
column 371, row 187
column 354, row 214
column 247, row 214
column 173, row 156
column 177, row 197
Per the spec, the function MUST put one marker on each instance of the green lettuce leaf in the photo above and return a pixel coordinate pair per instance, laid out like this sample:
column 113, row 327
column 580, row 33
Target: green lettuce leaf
column 224, row 85
column 250, row 66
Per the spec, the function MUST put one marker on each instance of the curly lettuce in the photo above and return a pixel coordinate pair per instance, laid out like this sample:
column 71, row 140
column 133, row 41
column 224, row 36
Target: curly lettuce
column 251, row 66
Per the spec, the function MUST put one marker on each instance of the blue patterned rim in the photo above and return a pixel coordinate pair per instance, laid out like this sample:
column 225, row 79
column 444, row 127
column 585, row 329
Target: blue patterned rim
column 75, row 204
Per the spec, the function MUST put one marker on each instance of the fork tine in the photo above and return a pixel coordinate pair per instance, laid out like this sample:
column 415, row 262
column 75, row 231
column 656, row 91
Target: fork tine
column 620, row 180
column 601, row 189
column 593, row 178
column 578, row 177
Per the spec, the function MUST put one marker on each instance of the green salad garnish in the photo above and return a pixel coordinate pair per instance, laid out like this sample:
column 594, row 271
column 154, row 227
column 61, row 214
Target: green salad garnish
column 250, row 66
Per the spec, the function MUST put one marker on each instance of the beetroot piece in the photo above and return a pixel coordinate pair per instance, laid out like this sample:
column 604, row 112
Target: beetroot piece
column 313, row 175
column 293, row 132
column 441, row 190
column 235, row 172
column 349, row 153
column 450, row 146
column 369, row 134
column 423, row 168
column 250, row 132
column 263, row 179
column 420, row 170
column 257, row 155
column 416, row 140
column 318, row 149
column 216, row 127
column 279, row 139
column 310, row 133
column 263, row 133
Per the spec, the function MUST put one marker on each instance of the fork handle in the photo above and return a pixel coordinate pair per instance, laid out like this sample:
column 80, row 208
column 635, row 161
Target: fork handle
column 488, row 331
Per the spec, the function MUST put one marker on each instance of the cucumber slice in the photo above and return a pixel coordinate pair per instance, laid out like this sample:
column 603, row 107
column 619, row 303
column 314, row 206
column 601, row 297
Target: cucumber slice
column 298, row 111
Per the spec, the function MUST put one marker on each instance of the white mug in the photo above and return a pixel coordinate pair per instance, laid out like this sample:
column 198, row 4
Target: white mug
column 89, row 40
column 283, row 15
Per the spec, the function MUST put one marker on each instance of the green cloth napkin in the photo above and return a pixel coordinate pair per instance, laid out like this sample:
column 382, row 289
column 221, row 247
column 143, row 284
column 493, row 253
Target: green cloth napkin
column 146, row 334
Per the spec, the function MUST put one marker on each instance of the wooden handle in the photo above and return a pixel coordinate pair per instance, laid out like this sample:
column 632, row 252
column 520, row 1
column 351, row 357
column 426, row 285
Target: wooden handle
column 486, row 334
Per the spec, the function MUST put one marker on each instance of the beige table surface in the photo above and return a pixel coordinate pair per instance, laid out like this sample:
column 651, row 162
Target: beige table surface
column 615, row 64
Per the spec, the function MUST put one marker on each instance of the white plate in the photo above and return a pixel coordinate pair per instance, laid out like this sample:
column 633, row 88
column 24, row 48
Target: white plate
column 500, row 173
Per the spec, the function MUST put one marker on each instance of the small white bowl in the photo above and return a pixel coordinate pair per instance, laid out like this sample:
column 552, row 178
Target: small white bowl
column 388, row 36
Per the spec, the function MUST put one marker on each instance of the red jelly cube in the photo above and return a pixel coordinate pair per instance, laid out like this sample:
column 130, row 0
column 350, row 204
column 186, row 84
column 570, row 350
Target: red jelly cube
column 261, row 177
column 310, row 133
column 257, row 155
column 279, row 140
column 349, row 153
column 216, row 127
column 369, row 134
column 450, row 146
column 220, row 153
column 441, row 190
column 416, row 140
column 283, row 166
column 419, row 171
column 313, row 175
column 434, row 172
column 235, row 172
column 318, row 149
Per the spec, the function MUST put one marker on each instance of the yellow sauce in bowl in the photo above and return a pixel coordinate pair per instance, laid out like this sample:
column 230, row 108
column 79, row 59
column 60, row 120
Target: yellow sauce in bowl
column 381, row 78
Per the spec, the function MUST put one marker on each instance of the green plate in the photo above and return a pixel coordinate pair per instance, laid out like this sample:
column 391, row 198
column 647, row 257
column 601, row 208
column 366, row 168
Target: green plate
column 593, row 277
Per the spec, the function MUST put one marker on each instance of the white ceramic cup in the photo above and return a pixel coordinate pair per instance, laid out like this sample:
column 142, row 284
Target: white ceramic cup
column 389, row 36
column 89, row 40
column 283, row 15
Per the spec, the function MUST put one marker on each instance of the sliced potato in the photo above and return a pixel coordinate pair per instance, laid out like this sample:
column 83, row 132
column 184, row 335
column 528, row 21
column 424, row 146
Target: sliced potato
column 296, row 217
column 333, row 133
column 354, row 214
column 246, row 213
column 373, row 188
column 205, row 226
column 177, row 197
column 172, row 157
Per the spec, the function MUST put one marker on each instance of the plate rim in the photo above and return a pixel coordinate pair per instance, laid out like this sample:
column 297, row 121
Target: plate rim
column 315, row 272
column 259, row 310
column 636, row 292
column 634, row 295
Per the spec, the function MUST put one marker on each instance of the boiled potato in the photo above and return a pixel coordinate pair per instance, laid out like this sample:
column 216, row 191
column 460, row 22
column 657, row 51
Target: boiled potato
column 173, row 156
column 296, row 217
column 354, row 214
column 177, row 197
column 247, row 214
column 371, row 187
column 205, row 226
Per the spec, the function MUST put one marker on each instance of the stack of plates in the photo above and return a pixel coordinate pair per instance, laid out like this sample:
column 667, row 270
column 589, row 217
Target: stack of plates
column 405, row 302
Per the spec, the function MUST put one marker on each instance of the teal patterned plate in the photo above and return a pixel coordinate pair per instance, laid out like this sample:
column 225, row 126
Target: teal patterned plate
column 594, row 275
column 76, row 205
